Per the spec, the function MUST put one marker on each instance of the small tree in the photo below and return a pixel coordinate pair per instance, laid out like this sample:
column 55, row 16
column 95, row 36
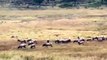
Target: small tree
column 69, row 3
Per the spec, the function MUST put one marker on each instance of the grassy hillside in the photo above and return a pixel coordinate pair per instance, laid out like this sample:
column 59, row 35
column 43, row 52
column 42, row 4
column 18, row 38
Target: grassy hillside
column 46, row 24
column 53, row 24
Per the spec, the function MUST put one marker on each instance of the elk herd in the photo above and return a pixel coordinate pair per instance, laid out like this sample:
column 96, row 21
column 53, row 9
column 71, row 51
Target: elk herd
column 49, row 43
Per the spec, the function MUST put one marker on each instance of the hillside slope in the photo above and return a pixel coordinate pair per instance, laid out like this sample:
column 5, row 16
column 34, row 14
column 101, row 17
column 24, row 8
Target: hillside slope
column 47, row 24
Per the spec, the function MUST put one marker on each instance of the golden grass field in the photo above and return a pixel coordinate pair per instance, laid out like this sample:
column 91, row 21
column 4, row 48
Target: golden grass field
column 53, row 24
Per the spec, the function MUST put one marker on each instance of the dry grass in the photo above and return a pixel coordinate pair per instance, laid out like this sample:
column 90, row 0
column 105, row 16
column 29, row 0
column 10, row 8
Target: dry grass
column 90, row 50
column 47, row 24
column 43, row 30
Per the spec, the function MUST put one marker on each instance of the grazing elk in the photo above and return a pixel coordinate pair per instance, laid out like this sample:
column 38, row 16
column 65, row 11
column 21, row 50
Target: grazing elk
column 75, row 41
column 100, row 39
column 22, row 44
column 31, row 43
column 63, row 41
column 79, row 41
column 89, row 39
column 47, row 44
column 58, row 41
column 66, row 41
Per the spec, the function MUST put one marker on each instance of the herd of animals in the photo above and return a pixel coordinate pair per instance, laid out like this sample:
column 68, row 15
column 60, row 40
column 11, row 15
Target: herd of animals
column 33, row 43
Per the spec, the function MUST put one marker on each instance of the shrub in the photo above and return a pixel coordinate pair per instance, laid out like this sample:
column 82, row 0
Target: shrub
column 66, row 5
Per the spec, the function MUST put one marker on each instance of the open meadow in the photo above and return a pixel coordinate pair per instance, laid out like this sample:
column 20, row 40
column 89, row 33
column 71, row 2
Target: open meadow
column 42, row 25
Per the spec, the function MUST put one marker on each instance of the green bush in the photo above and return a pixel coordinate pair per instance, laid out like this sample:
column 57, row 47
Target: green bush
column 66, row 5
column 97, row 4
